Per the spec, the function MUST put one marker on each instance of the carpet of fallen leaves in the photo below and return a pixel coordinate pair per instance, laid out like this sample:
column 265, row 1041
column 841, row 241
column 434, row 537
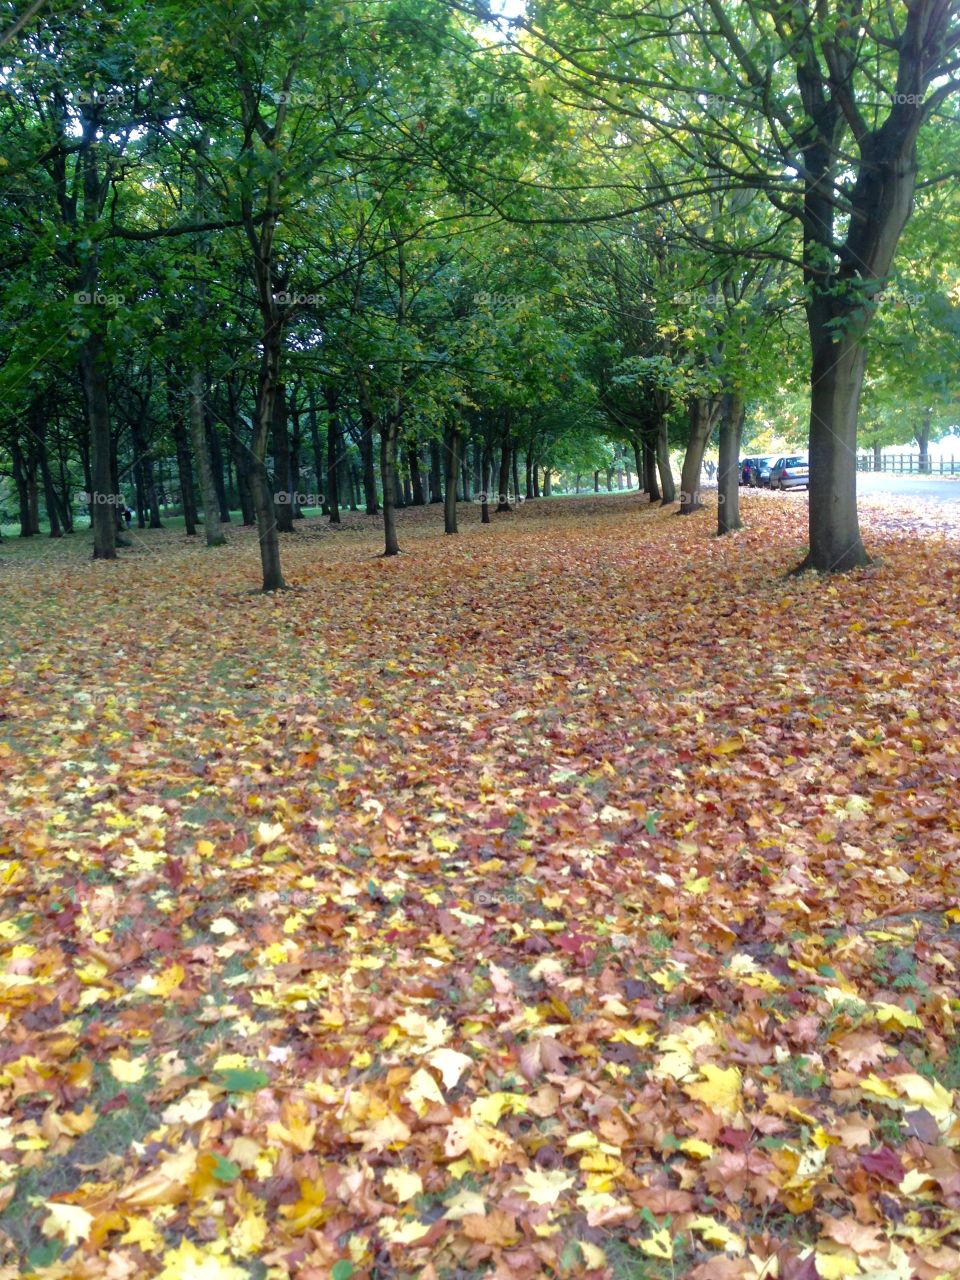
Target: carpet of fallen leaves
column 577, row 897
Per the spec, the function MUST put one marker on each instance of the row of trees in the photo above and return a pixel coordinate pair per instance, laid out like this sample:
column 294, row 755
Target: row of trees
column 404, row 250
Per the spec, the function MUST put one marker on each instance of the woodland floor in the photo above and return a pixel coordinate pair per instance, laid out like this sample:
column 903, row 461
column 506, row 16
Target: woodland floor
column 576, row 897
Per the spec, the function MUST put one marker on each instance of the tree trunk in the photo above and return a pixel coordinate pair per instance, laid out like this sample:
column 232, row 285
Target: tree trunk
column 208, row 493
column 464, row 477
column 701, row 424
column 923, row 440
column 728, row 475
column 547, row 480
column 333, row 454
column 451, row 444
column 638, row 459
column 216, row 464
column 412, row 452
column 667, row 486
column 296, row 447
column 486, row 467
column 516, row 475
column 366, row 455
column 102, row 515
column 436, row 472
column 528, row 469
column 836, row 380
column 596, row 481
column 184, row 468
column 576, row 483
column 282, row 495
column 388, row 479
column 877, row 457
column 503, row 483
column 650, row 469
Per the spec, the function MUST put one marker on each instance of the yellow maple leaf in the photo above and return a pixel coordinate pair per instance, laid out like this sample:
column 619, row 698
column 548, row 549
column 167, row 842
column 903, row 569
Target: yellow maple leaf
column 423, row 1090
column 450, row 1064
column 127, row 1070
column 406, row 1232
column 720, row 1089
column 660, row 1245
column 404, row 1183
column 892, row 1013
column 697, row 1148
column 67, row 1220
column 544, row 1186
column 187, row 1262
column 713, row 1232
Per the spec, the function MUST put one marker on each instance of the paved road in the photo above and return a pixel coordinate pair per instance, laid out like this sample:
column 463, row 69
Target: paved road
column 885, row 484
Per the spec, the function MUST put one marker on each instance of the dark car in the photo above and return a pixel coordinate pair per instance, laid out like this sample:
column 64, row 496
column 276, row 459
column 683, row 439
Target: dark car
column 759, row 472
column 791, row 473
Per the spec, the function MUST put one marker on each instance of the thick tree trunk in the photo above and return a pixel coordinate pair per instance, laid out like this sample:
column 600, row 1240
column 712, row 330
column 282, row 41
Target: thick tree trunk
column 536, row 477
column 333, row 455
column 486, row 467
column 184, row 467
column 923, row 441
column 216, row 464
column 451, row 445
column 388, row 479
column 516, row 475
column 547, row 480
column 596, row 481
column 877, row 457
column 436, row 472
column 638, row 459
column 837, row 378
column 503, row 482
column 650, row 482
column 667, row 486
column 412, row 452
column 701, row 424
column 728, row 474
column 102, row 515
column 208, row 493
column 465, row 478
column 528, row 469
column 282, row 495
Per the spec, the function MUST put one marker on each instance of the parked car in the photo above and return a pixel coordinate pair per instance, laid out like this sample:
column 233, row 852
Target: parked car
column 759, row 472
column 745, row 470
column 791, row 473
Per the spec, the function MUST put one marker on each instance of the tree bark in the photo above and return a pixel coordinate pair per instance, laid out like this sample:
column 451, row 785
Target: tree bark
column 667, row 486
column 333, row 454
column 650, row 469
column 282, row 489
column 208, row 493
column 436, row 472
column 451, row 445
column 702, row 416
column 486, row 467
column 503, row 482
column 728, row 474
column 388, row 479
column 418, row 496
column 184, row 467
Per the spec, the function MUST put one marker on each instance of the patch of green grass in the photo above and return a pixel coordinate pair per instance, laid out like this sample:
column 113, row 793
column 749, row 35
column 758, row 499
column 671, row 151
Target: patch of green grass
column 799, row 1077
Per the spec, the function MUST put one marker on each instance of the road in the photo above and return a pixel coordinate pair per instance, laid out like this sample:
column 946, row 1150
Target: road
column 883, row 484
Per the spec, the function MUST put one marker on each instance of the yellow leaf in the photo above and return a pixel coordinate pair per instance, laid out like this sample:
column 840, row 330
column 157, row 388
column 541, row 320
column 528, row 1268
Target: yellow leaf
column 593, row 1255
column 407, row 1232
column 67, row 1220
column 544, row 1186
column 224, row 925
column 422, row 1090
column 128, row 1070
column 925, row 1093
column 230, row 1061
column 720, row 1090
column 404, row 1183
column 450, row 1064
column 582, row 1141
column 697, row 1147
column 887, row 1013
column 266, row 833
column 194, row 1106
column 713, row 1232
column 187, row 1262
column 698, row 886
column 205, row 848
column 310, row 1210
column 660, row 1245
column 142, row 1232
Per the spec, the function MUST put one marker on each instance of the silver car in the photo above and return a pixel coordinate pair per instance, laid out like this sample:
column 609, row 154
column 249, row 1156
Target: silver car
column 791, row 473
